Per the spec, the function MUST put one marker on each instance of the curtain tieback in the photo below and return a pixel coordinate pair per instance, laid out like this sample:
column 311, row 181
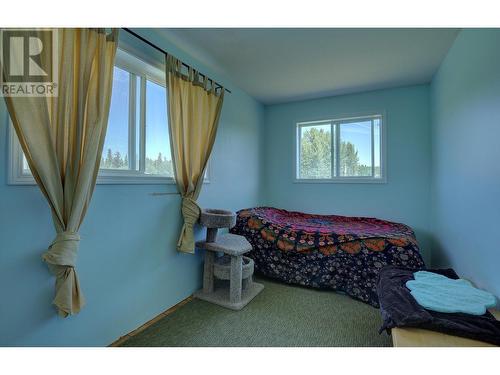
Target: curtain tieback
column 61, row 259
column 191, row 213
column 63, row 250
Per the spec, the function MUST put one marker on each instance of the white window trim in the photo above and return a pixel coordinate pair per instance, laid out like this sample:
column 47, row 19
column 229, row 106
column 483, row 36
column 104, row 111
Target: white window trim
column 343, row 180
column 16, row 175
column 140, row 72
column 105, row 176
column 143, row 71
column 132, row 64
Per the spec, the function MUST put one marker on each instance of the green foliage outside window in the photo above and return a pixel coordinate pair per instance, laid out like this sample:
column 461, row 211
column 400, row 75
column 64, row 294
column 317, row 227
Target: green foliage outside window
column 158, row 166
column 315, row 156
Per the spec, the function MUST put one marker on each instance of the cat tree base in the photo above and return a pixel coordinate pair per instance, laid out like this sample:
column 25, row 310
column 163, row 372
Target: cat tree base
column 220, row 296
column 228, row 280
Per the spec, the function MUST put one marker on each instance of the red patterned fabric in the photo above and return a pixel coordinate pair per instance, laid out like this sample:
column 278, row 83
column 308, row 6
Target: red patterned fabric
column 327, row 251
column 303, row 232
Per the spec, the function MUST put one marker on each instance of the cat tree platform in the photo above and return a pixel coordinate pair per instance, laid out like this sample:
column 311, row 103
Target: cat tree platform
column 232, row 268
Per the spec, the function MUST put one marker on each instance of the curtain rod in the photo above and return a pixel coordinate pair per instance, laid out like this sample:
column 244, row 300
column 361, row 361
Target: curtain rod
column 166, row 53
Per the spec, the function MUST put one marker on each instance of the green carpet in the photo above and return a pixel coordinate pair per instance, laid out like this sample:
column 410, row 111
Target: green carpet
column 282, row 315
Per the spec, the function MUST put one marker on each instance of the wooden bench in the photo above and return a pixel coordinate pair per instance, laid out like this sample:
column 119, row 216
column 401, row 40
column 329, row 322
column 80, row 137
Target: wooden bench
column 415, row 337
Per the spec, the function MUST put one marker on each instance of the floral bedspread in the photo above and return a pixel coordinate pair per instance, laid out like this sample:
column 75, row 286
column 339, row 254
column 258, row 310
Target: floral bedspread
column 327, row 251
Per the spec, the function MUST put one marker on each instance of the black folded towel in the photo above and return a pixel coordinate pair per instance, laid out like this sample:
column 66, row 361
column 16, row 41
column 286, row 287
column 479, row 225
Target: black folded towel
column 400, row 309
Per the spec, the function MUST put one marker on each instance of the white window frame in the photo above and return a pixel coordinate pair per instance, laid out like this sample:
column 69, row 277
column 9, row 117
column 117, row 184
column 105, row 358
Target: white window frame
column 139, row 71
column 17, row 176
column 143, row 71
column 335, row 127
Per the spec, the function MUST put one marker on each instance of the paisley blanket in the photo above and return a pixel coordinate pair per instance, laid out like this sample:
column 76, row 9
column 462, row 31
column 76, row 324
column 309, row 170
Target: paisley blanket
column 335, row 252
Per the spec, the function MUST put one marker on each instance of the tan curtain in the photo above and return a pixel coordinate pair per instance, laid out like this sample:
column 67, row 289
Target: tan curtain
column 62, row 138
column 193, row 114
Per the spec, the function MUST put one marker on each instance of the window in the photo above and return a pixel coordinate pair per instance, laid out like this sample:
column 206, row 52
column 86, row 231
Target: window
column 340, row 150
column 116, row 144
column 137, row 145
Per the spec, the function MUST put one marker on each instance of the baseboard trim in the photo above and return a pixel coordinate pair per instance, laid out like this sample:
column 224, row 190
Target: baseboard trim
column 124, row 338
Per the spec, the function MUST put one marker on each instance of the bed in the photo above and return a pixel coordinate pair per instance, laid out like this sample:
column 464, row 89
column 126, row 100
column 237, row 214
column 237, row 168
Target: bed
column 327, row 251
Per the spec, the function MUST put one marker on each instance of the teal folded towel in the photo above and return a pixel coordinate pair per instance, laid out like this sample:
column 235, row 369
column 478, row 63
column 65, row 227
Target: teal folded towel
column 439, row 293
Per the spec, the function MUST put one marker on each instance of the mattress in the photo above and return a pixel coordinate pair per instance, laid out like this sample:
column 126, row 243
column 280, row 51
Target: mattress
column 327, row 251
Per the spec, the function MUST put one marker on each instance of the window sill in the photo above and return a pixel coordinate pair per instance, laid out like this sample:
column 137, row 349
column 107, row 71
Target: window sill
column 340, row 180
column 130, row 179
column 109, row 179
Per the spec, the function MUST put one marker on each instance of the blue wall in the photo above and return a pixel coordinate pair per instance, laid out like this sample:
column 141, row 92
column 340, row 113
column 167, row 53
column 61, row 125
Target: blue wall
column 406, row 195
column 128, row 265
column 443, row 180
column 465, row 97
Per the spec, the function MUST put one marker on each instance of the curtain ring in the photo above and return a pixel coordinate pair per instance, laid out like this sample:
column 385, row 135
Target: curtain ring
column 178, row 66
column 168, row 60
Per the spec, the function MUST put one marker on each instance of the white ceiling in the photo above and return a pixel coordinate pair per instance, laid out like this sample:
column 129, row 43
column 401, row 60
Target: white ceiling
column 280, row 65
